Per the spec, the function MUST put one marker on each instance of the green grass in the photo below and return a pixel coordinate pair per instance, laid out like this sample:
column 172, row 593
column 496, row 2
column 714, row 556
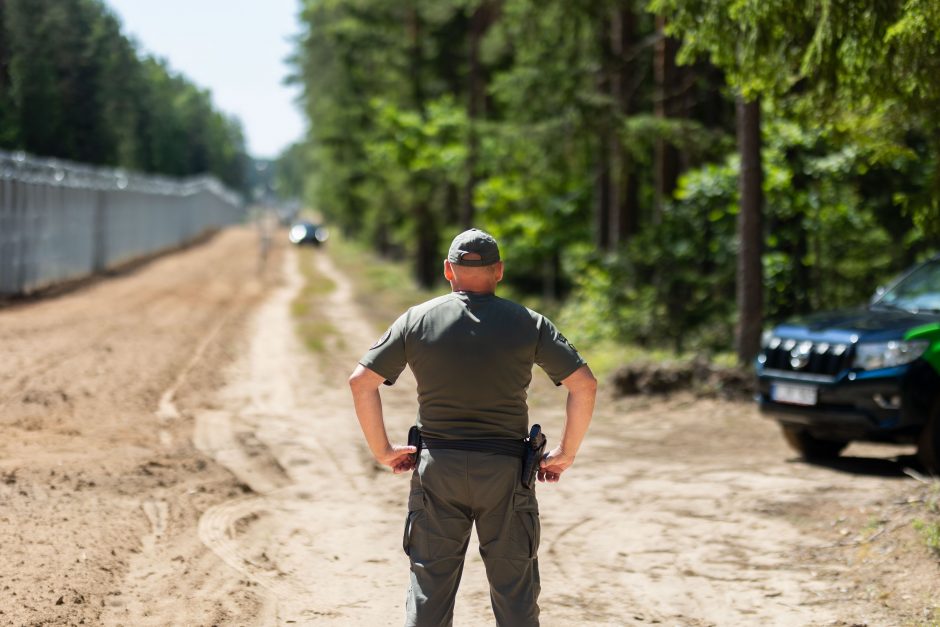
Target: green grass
column 929, row 527
column 932, row 501
column 315, row 332
column 383, row 287
column 605, row 356
column 930, row 532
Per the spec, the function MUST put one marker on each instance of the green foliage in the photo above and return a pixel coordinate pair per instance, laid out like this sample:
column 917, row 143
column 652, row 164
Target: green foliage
column 833, row 235
column 8, row 129
column 851, row 148
column 292, row 171
column 865, row 70
column 695, row 140
column 73, row 86
column 626, row 296
column 426, row 144
column 415, row 155
column 529, row 204
column 347, row 57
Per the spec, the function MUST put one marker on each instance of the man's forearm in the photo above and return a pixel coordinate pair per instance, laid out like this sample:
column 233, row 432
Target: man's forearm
column 364, row 384
column 579, row 409
column 368, row 404
column 582, row 390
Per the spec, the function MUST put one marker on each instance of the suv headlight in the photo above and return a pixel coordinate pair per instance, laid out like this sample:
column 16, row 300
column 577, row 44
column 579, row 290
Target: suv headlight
column 875, row 355
column 297, row 233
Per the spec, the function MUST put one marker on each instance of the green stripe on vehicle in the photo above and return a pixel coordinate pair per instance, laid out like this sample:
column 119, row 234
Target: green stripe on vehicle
column 929, row 332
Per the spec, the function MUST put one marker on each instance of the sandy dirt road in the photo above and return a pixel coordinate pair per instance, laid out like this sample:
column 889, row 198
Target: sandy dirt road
column 94, row 478
column 171, row 455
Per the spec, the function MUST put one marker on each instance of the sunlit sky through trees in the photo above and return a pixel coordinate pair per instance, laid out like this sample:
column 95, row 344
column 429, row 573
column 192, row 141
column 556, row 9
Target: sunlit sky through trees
column 234, row 48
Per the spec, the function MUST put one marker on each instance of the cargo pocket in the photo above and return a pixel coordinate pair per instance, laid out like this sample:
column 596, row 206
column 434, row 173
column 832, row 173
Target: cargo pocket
column 525, row 530
column 414, row 523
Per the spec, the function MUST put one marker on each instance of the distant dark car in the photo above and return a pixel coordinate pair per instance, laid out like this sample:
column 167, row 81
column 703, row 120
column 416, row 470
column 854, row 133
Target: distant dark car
column 308, row 233
column 870, row 374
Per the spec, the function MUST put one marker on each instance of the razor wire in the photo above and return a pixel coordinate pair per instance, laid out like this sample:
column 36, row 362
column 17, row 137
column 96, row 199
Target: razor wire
column 61, row 220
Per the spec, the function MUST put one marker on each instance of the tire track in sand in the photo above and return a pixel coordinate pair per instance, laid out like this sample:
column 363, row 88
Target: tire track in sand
column 217, row 434
column 322, row 530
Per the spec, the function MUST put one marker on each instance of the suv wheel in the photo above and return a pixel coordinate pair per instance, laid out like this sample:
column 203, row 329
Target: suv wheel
column 928, row 447
column 809, row 446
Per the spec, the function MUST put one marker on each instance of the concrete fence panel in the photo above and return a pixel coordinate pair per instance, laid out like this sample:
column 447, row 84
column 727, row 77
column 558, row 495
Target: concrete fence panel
column 61, row 220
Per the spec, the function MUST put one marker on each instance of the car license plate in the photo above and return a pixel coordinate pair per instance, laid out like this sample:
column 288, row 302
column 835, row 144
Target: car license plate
column 796, row 394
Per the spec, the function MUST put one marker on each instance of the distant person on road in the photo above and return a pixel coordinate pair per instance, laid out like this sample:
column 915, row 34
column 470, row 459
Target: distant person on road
column 472, row 354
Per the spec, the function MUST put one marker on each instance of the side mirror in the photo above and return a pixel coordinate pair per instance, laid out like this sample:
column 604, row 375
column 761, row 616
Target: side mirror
column 879, row 292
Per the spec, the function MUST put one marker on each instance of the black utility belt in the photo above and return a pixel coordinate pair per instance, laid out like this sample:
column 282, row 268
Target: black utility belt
column 512, row 448
column 531, row 449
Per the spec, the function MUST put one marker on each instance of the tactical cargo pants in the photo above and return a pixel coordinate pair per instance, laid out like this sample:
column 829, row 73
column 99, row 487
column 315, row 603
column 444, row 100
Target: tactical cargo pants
column 450, row 491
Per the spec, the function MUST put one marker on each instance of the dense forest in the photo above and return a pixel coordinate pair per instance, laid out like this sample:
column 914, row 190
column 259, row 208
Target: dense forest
column 73, row 86
column 668, row 171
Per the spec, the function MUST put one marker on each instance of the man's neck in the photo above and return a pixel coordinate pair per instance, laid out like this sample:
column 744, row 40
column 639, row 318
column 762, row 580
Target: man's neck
column 472, row 287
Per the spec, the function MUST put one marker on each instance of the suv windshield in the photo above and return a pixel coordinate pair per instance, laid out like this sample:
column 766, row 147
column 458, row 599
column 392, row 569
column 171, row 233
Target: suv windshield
column 918, row 291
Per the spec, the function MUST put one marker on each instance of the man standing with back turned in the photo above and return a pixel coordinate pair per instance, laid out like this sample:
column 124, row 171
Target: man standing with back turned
column 472, row 353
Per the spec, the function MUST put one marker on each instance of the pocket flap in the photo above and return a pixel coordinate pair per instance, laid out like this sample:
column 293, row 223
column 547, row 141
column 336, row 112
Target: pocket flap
column 524, row 501
column 416, row 500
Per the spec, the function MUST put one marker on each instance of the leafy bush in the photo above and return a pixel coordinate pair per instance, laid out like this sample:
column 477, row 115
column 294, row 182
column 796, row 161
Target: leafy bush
column 831, row 238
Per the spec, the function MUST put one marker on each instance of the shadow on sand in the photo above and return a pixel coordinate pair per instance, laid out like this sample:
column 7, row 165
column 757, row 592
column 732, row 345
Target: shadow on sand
column 888, row 467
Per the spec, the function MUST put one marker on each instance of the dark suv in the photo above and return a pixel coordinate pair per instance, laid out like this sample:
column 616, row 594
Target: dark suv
column 862, row 374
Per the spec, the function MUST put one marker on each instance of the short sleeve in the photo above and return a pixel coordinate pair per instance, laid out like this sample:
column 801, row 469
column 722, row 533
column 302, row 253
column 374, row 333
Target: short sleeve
column 387, row 355
column 555, row 354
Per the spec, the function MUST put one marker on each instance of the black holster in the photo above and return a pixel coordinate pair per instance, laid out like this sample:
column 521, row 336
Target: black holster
column 414, row 439
column 534, row 452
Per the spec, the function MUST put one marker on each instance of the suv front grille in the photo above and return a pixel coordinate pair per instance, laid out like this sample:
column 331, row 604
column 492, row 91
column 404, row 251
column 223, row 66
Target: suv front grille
column 806, row 357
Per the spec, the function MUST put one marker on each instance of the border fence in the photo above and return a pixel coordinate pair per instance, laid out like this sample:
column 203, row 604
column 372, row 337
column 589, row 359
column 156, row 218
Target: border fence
column 61, row 220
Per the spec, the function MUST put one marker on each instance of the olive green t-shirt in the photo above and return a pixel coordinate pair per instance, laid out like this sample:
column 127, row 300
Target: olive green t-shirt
column 472, row 356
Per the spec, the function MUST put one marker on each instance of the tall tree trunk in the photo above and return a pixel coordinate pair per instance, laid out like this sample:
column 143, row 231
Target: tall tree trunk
column 480, row 22
column 551, row 266
column 425, row 229
column 602, row 174
column 381, row 237
column 602, row 188
column 750, row 276
column 624, row 201
column 413, row 30
column 428, row 267
column 666, row 87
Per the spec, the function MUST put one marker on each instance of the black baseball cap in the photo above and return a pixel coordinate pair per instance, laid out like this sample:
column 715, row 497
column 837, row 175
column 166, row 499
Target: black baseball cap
column 473, row 242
